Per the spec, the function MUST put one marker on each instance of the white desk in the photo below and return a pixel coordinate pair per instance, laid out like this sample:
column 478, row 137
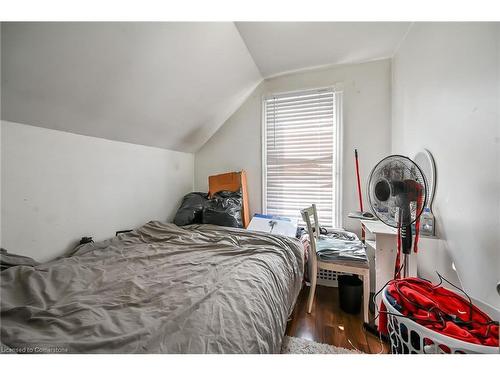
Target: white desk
column 383, row 240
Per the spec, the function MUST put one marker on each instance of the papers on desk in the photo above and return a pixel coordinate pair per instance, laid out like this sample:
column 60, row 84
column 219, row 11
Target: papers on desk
column 273, row 224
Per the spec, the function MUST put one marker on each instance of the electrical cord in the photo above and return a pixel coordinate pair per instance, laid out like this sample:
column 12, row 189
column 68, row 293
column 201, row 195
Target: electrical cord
column 471, row 309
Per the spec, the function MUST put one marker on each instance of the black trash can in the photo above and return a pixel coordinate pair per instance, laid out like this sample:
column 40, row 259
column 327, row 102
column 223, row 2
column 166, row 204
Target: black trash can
column 350, row 293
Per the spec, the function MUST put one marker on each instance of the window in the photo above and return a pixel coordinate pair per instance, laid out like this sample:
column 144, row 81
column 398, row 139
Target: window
column 301, row 154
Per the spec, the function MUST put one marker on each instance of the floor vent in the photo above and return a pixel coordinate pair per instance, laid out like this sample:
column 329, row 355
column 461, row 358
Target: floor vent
column 327, row 277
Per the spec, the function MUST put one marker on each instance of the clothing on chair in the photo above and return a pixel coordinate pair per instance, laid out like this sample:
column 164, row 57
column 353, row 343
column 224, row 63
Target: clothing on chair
column 341, row 246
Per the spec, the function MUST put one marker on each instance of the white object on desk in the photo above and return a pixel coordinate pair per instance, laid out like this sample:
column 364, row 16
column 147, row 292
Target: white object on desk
column 426, row 162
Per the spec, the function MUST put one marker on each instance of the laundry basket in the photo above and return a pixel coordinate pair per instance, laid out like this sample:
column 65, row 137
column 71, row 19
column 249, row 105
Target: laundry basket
column 409, row 337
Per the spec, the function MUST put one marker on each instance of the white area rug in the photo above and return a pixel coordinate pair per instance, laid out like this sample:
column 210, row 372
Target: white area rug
column 295, row 345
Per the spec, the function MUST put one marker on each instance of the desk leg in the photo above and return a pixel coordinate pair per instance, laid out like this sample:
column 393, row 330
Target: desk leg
column 385, row 258
column 366, row 295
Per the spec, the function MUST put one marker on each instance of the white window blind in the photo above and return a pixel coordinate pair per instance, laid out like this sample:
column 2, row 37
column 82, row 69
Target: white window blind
column 300, row 154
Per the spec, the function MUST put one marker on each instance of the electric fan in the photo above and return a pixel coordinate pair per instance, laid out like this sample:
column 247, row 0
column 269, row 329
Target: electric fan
column 397, row 193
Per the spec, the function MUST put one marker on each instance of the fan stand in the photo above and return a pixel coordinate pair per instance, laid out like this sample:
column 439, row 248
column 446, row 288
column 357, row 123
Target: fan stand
column 406, row 265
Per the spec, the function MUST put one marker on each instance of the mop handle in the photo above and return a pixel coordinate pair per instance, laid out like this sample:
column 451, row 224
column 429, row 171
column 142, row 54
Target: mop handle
column 359, row 193
column 359, row 183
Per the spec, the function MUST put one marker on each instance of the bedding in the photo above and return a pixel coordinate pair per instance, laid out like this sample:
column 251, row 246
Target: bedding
column 157, row 289
column 8, row 260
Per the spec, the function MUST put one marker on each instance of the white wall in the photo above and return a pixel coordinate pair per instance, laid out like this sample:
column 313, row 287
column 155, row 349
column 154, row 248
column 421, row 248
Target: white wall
column 58, row 187
column 237, row 144
column 446, row 99
column 181, row 79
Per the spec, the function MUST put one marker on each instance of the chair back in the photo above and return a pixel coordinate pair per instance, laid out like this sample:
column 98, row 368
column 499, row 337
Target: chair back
column 310, row 216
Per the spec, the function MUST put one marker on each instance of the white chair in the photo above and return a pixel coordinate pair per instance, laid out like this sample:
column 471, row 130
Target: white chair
column 361, row 269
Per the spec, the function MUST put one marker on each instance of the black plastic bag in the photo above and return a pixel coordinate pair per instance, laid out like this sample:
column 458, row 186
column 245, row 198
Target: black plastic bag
column 224, row 210
column 191, row 209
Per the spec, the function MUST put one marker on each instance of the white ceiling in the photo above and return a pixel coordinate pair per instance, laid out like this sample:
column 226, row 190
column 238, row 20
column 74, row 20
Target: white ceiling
column 169, row 85
column 280, row 47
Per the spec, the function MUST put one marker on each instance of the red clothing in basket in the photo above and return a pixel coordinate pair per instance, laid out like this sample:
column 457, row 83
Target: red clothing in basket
column 441, row 310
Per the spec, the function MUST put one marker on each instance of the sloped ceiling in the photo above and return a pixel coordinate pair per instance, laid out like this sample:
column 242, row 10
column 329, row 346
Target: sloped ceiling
column 169, row 85
column 280, row 47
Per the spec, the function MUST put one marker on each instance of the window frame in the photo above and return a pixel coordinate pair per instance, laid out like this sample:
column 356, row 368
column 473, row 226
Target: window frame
column 337, row 195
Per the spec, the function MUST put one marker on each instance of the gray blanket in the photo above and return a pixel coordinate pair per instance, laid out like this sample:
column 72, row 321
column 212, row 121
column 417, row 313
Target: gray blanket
column 157, row 289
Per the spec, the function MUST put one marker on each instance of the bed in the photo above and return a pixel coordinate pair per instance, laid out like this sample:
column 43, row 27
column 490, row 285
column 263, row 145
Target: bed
column 157, row 289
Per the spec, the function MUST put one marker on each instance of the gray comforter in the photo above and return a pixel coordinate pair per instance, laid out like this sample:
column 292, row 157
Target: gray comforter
column 157, row 289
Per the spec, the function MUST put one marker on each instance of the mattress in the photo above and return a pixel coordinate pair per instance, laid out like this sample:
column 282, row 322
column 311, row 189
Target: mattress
column 157, row 289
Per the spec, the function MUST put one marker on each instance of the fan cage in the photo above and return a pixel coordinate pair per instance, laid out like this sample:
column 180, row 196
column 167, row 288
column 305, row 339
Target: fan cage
column 376, row 173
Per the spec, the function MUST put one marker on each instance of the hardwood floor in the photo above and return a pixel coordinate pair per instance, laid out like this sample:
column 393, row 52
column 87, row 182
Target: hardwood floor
column 328, row 324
